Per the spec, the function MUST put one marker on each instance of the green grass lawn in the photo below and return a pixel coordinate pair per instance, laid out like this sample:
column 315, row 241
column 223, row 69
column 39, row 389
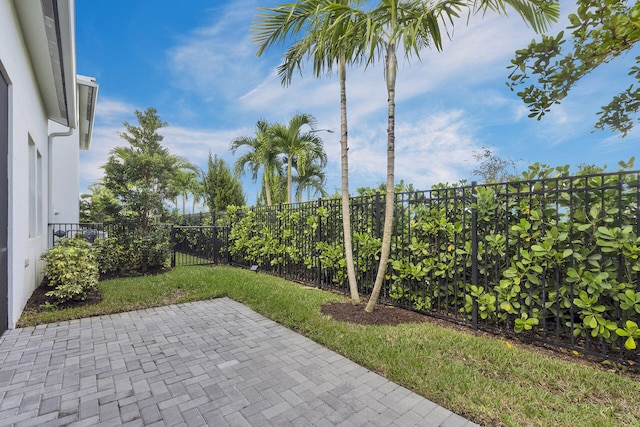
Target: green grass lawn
column 486, row 379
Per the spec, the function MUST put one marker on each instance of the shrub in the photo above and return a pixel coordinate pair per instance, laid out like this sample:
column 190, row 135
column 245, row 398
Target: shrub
column 135, row 252
column 72, row 270
column 152, row 248
column 111, row 255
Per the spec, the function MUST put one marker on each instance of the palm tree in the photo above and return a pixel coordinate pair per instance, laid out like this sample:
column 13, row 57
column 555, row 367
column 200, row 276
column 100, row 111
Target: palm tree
column 262, row 154
column 311, row 177
column 184, row 181
column 413, row 25
column 325, row 27
column 197, row 191
column 278, row 182
column 298, row 146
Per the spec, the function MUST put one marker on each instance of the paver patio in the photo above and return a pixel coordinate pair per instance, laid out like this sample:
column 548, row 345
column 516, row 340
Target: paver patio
column 212, row 362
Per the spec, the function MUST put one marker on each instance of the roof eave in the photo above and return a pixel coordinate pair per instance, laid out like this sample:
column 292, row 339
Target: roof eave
column 87, row 100
column 48, row 27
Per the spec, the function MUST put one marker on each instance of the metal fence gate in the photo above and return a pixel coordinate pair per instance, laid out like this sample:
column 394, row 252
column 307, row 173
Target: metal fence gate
column 199, row 245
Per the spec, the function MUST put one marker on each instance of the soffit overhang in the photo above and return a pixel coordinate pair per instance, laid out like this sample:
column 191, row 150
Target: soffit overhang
column 48, row 29
column 87, row 99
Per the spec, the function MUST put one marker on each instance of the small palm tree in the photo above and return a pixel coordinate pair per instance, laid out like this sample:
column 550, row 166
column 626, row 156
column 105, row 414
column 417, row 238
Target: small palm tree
column 311, row 177
column 291, row 141
column 197, row 191
column 261, row 154
column 184, row 181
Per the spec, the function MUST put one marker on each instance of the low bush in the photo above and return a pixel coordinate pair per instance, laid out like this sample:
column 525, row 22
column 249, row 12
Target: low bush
column 111, row 256
column 133, row 253
column 72, row 270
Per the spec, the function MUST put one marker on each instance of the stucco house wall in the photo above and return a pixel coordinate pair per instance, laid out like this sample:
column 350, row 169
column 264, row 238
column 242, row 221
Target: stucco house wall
column 65, row 169
column 29, row 68
column 28, row 124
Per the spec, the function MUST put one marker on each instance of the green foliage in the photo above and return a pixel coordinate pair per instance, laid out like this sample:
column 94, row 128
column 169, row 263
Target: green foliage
column 141, row 175
column 153, row 248
column 631, row 332
column 300, row 148
column 134, row 251
column 221, row 188
column 71, row 269
column 110, row 255
column 101, row 206
column 600, row 32
column 555, row 254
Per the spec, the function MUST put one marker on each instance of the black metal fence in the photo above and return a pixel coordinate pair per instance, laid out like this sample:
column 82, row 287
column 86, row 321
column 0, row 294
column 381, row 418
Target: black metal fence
column 190, row 245
column 88, row 231
column 549, row 260
column 199, row 245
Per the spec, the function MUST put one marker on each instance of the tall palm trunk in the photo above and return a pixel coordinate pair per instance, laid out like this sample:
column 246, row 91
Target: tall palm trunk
column 267, row 187
column 289, row 179
column 346, row 212
column 391, row 68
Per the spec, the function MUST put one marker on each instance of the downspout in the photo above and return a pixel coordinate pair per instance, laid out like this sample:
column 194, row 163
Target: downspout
column 50, row 209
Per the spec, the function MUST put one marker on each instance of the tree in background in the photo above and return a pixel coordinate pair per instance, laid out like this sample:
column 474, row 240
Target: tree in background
column 185, row 182
column 261, row 155
column 297, row 145
column 141, row 175
column 278, row 188
column 221, row 188
column 310, row 177
column 492, row 168
column 197, row 191
column 99, row 206
column 601, row 30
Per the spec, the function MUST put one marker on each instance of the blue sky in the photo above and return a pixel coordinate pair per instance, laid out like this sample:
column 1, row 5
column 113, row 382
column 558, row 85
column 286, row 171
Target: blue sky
column 195, row 63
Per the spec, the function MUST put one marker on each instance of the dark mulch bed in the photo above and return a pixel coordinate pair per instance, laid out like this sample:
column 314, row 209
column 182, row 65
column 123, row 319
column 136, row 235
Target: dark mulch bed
column 382, row 315
column 389, row 315
column 39, row 298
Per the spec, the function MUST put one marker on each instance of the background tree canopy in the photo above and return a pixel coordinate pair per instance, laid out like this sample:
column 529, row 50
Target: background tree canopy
column 141, row 175
column 600, row 31
column 221, row 188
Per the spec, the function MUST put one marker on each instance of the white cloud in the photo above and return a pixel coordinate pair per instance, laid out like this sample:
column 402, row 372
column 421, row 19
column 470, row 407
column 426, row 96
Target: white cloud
column 217, row 60
column 431, row 150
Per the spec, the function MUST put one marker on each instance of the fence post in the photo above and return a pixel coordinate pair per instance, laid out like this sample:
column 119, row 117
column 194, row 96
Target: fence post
column 216, row 251
column 474, row 250
column 173, row 246
column 319, row 239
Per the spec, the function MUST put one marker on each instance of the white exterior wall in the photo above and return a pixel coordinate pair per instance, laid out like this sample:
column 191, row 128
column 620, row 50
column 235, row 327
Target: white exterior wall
column 27, row 119
column 65, row 170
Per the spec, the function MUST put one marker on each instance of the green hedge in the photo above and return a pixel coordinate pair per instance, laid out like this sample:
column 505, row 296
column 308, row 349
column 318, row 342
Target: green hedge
column 556, row 256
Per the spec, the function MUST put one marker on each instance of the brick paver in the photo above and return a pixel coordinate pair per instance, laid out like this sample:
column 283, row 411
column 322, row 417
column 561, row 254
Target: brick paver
column 211, row 362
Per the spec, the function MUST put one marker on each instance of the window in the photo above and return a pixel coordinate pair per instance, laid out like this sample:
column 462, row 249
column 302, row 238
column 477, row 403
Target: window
column 35, row 190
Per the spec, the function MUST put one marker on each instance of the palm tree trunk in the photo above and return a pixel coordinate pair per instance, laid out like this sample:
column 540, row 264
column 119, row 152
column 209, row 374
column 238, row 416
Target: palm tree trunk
column 289, row 179
column 391, row 68
column 267, row 187
column 346, row 211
